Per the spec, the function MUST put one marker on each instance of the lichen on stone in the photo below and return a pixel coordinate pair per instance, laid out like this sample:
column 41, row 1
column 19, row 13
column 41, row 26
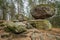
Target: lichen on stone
column 41, row 24
column 15, row 27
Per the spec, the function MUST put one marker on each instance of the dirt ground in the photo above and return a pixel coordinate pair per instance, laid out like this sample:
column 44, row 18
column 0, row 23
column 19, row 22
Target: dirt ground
column 32, row 34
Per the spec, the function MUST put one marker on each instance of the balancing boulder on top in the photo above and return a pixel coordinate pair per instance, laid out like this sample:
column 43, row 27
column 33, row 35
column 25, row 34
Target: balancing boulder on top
column 43, row 11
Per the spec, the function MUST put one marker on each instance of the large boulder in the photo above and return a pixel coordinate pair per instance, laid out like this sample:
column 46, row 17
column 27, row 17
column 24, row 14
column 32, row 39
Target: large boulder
column 17, row 27
column 41, row 24
column 43, row 11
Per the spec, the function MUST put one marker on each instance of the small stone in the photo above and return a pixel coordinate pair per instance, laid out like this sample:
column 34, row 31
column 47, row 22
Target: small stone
column 5, row 35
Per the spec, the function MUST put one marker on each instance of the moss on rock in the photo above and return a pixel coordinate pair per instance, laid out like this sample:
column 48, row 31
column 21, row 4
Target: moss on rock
column 41, row 24
column 43, row 11
column 18, row 27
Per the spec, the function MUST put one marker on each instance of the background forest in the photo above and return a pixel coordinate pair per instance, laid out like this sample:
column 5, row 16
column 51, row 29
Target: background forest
column 9, row 8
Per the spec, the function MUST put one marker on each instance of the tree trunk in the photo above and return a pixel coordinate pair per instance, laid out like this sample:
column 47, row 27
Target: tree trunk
column 4, row 10
column 12, row 10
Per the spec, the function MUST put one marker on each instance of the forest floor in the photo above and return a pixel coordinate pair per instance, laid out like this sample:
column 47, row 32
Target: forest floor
column 32, row 34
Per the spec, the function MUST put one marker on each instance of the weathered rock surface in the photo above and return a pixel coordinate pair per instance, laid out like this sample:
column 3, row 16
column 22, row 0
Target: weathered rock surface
column 21, row 17
column 41, row 24
column 43, row 11
column 16, row 27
